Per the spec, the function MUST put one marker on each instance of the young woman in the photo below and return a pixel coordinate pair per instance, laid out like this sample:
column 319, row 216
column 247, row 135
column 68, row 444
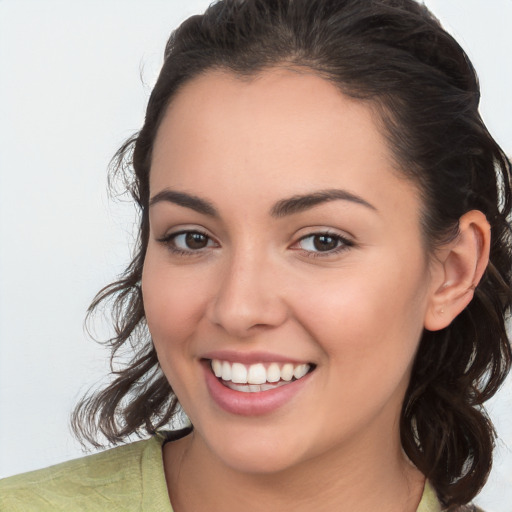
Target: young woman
column 322, row 276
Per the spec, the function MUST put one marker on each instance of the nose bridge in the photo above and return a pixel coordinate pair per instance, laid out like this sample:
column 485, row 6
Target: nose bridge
column 248, row 294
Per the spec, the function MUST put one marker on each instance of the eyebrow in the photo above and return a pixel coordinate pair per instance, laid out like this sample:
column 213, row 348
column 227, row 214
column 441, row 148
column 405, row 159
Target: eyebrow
column 300, row 203
column 282, row 208
column 187, row 200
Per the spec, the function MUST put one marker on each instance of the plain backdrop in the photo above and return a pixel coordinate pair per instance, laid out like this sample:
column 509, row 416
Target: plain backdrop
column 74, row 80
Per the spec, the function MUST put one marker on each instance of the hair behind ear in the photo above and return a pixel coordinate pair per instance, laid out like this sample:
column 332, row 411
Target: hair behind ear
column 463, row 358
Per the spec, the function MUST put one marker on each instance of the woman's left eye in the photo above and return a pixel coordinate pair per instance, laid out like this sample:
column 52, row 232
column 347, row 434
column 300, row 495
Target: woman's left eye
column 327, row 243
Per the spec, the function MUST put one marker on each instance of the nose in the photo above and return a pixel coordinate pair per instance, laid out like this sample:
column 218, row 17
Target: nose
column 248, row 297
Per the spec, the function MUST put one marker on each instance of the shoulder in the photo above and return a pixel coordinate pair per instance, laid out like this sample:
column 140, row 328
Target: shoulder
column 115, row 479
column 430, row 502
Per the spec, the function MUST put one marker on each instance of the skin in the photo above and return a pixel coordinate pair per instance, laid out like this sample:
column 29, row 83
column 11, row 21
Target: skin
column 259, row 285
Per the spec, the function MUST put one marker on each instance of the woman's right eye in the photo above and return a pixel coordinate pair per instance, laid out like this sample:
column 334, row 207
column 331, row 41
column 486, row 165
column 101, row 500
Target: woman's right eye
column 187, row 242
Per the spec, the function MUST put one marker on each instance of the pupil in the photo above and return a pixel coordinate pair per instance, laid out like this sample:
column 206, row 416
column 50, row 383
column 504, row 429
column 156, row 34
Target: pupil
column 196, row 241
column 325, row 243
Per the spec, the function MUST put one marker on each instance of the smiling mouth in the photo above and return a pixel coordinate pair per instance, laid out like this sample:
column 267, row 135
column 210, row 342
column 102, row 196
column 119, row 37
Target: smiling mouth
column 258, row 377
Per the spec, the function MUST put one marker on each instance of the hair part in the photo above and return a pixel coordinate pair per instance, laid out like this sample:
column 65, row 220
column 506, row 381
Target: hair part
column 395, row 55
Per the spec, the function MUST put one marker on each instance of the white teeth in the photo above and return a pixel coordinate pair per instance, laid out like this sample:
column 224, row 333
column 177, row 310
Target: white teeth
column 257, row 376
column 239, row 373
column 226, row 371
column 217, row 368
column 273, row 373
column 254, row 388
column 300, row 371
column 287, row 372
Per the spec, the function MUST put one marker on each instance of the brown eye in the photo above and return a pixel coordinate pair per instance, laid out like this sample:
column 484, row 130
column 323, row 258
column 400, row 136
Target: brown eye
column 195, row 240
column 188, row 241
column 325, row 242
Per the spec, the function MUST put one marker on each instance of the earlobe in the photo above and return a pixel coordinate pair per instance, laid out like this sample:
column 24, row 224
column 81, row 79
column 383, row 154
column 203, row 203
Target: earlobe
column 460, row 266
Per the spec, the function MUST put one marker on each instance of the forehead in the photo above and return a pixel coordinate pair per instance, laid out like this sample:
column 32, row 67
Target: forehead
column 281, row 132
column 281, row 107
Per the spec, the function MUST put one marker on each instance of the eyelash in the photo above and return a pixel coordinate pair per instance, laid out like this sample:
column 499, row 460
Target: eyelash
column 169, row 240
column 343, row 243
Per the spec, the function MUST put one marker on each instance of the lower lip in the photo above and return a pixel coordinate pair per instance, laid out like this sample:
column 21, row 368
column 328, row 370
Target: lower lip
column 251, row 404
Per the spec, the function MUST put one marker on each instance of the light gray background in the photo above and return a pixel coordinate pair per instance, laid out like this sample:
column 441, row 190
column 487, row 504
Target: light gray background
column 74, row 80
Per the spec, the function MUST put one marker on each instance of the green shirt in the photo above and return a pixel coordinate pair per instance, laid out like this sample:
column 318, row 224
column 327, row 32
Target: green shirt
column 126, row 478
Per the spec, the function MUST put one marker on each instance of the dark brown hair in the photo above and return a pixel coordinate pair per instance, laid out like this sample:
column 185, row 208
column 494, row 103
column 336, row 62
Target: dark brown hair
column 395, row 55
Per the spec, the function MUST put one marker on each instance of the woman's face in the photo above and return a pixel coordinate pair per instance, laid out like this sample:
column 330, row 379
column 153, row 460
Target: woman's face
column 282, row 241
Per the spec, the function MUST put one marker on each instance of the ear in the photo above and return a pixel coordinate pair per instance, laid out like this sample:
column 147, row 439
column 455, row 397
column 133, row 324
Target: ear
column 458, row 268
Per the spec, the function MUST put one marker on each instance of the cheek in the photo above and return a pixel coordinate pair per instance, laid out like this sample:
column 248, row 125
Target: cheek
column 368, row 327
column 173, row 308
column 173, row 303
column 375, row 315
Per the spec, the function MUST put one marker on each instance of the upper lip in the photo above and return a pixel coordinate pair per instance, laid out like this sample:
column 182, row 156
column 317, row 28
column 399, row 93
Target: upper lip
column 251, row 357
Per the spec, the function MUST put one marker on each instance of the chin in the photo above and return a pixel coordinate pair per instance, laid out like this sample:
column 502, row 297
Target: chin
column 257, row 451
column 260, row 462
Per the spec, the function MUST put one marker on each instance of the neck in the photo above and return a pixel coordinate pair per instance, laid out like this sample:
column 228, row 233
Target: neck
column 361, row 478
